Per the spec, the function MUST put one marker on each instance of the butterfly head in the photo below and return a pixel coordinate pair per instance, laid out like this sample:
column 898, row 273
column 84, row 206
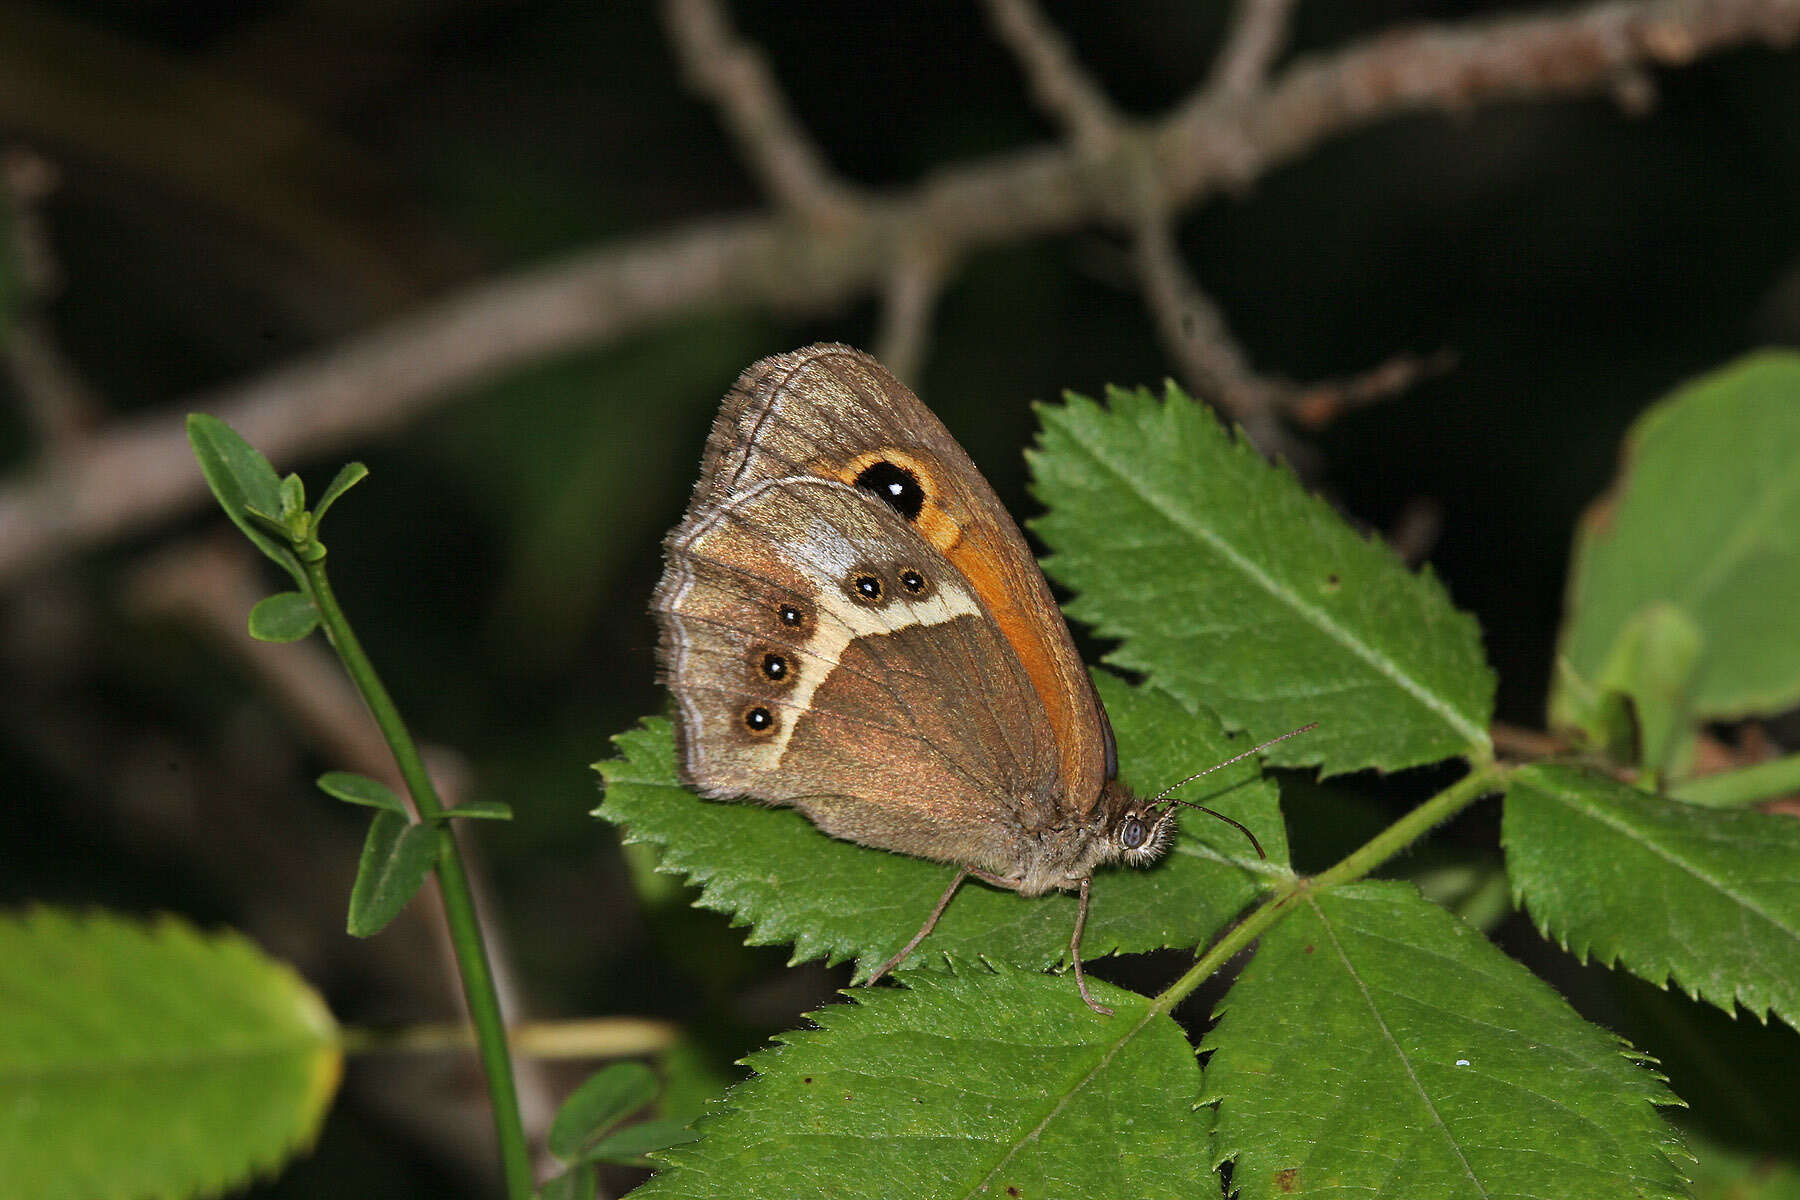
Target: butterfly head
column 1139, row 833
column 1143, row 833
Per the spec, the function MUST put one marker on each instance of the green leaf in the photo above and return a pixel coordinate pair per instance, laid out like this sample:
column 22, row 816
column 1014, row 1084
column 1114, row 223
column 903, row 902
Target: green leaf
column 607, row 1097
column 1654, row 663
column 628, row 1146
column 773, row 870
column 1750, row 785
column 692, row 1078
column 973, row 1084
column 241, row 480
column 396, row 858
column 580, row 1182
column 348, row 476
column 283, row 617
column 1227, row 584
column 1705, row 517
column 481, row 810
column 151, row 1060
column 1706, row 898
column 1724, row 1172
column 293, row 498
column 360, row 789
column 1377, row 1047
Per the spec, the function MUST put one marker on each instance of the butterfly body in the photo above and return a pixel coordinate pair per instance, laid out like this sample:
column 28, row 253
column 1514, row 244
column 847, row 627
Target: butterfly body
column 854, row 627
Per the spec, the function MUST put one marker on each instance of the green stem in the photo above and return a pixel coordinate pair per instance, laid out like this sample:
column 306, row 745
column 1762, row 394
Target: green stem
column 1741, row 788
column 1485, row 778
column 1413, row 826
column 453, row 885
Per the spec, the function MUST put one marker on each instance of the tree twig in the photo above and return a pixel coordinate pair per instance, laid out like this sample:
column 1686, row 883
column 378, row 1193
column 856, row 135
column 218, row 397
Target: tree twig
column 1058, row 82
column 734, row 75
column 1194, row 332
column 57, row 400
column 1257, row 34
column 907, row 302
column 137, row 472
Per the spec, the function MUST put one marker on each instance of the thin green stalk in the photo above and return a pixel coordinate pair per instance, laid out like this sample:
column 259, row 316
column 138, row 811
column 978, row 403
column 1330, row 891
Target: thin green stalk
column 1413, row 826
column 453, row 885
column 1742, row 788
column 1484, row 779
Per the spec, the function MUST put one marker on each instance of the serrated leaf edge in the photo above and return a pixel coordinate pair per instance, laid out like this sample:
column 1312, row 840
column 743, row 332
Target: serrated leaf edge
column 1661, row 975
column 1475, row 736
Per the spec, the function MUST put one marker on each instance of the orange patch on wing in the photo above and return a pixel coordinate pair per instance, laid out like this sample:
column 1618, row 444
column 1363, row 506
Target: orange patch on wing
column 977, row 556
column 934, row 522
column 977, row 561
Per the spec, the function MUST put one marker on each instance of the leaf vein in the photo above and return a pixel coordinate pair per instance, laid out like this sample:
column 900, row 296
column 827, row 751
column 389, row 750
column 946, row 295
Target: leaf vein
column 1311, row 614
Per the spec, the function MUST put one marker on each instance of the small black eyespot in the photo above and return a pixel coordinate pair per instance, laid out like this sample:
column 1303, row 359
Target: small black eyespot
column 894, row 486
column 791, row 615
column 912, row 581
column 868, row 587
column 774, row 666
column 1132, row 833
column 759, row 720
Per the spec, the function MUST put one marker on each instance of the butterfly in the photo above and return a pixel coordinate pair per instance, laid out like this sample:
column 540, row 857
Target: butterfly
column 852, row 626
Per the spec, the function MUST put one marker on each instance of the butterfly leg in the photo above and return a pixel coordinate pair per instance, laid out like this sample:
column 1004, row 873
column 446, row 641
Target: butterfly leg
column 926, row 928
column 1075, row 953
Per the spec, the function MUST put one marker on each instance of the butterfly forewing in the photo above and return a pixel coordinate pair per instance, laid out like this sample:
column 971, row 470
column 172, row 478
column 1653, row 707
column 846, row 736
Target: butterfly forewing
column 824, row 657
column 834, row 413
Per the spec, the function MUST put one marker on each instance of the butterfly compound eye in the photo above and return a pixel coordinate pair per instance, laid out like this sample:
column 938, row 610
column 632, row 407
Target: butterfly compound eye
column 894, row 486
column 1133, row 833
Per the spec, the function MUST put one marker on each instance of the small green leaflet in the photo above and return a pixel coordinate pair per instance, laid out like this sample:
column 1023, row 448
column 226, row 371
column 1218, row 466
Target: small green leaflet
column 981, row 1083
column 352, row 788
column 1706, row 898
column 1726, row 1172
column 283, row 617
column 634, row 1142
column 480, row 810
column 1227, row 584
column 604, row 1099
column 773, row 870
column 1704, row 518
column 150, row 1059
column 1375, row 1046
column 348, row 476
column 396, row 858
column 242, row 481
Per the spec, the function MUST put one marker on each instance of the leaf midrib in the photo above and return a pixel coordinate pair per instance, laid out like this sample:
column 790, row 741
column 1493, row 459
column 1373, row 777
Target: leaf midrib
column 152, row 1064
column 1318, row 619
column 1640, row 837
column 1393, row 1042
column 1748, row 533
column 979, row 1188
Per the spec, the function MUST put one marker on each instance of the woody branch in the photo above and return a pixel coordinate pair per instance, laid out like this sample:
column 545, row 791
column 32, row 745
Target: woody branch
column 135, row 472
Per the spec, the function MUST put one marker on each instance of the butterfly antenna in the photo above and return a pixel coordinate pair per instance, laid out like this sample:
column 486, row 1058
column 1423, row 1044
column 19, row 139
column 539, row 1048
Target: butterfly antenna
column 1163, row 796
column 1238, row 825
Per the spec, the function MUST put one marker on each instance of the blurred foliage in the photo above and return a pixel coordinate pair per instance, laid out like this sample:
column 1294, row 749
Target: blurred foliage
column 152, row 1059
column 313, row 166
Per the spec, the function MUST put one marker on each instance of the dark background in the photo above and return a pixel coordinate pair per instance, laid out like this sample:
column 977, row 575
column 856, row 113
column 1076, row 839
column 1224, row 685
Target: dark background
column 1578, row 261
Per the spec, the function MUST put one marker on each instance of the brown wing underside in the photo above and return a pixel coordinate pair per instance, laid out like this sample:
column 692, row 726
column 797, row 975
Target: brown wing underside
column 829, row 411
column 907, row 724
